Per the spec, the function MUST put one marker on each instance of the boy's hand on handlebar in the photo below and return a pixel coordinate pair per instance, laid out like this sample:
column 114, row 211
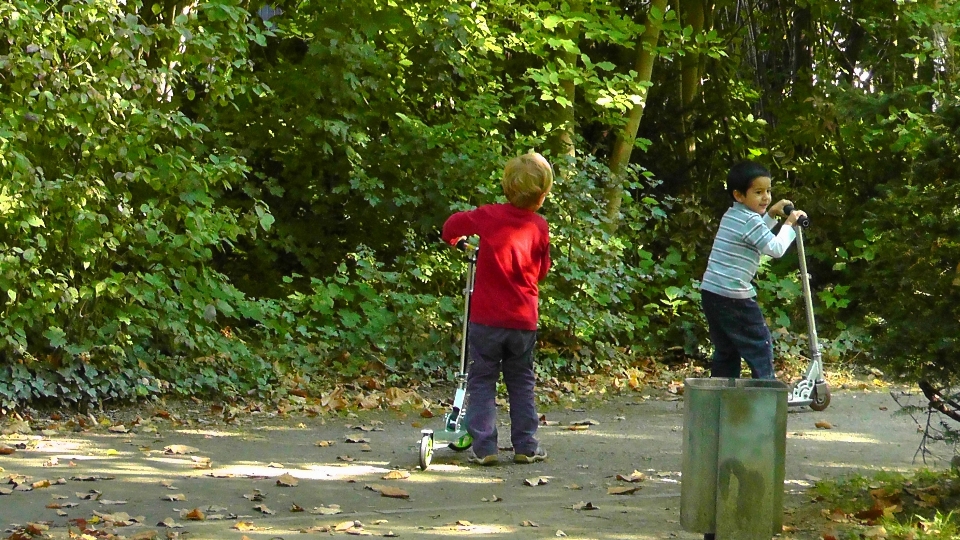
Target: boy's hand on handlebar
column 777, row 209
column 794, row 217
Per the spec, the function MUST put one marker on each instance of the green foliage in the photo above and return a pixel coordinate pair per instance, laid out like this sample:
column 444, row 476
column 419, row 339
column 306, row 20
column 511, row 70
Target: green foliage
column 916, row 506
column 195, row 200
column 109, row 197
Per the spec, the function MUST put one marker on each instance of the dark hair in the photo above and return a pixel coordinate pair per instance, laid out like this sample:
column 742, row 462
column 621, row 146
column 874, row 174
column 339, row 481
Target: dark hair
column 742, row 174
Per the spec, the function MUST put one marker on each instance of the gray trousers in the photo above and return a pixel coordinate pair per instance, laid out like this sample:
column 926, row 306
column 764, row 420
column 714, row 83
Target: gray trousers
column 493, row 350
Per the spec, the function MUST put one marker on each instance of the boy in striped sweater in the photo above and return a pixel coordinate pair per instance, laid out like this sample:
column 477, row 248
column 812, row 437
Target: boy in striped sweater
column 737, row 327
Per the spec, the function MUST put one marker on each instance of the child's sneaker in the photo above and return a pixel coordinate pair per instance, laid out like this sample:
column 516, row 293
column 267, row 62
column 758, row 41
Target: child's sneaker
column 492, row 459
column 539, row 455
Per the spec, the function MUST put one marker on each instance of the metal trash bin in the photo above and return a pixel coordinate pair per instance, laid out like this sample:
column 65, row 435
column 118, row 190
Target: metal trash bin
column 734, row 452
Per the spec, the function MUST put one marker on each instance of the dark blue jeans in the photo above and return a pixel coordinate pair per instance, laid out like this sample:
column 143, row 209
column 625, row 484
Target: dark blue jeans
column 738, row 330
column 493, row 350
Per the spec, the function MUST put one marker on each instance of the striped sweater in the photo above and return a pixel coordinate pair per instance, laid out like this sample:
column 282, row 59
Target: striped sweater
column 743, row 236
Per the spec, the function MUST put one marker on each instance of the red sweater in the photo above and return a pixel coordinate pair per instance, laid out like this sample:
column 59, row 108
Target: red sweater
column 514, row 256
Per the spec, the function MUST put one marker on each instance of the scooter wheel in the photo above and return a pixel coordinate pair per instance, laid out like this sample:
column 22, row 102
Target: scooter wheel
column 426, row 451
column 461, row 444
column 820, row 401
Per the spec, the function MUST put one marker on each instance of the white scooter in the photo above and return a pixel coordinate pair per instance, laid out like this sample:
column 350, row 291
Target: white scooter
column 454, row 433
column 812, row 390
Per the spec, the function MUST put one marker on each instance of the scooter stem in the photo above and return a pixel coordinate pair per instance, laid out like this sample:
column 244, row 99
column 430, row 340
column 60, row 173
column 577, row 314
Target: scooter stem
column 807, row 298
column 467, row 294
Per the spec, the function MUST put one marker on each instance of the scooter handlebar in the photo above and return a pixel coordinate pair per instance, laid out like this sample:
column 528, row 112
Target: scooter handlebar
column 465, row 246
column 804, row 221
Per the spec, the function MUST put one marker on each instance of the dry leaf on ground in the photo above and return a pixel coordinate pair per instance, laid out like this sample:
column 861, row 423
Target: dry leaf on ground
column 179, row 449
column 387, row 491
column 397, row 475
column 326, row 510
column 823, row 424
column 287, row 480
column 622, row 490
column 538, row 481
column 635, row 476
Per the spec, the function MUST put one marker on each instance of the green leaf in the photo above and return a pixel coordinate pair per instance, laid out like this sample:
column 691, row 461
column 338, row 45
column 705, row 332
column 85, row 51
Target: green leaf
column 56, row 336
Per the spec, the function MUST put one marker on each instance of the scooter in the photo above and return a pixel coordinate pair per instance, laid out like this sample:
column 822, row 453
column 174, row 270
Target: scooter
column 812, row 390
column 454, row 433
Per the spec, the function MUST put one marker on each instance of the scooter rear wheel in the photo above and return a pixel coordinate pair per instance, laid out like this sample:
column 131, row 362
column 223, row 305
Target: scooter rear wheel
column 820, row 401
column 463, row 443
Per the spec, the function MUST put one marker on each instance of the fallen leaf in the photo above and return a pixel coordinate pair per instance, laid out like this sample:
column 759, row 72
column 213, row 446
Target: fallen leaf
column 195, row 515
column 175, row 497
column 325, row 444
column 426, row 413
column 622, row 490
column 326, row 510
column 287, row 480
column 538, row 481
column 262, row 508
column 837, row 515
column 528, row 523
column 491, row 499
column 560, row 533
column 170, row 524
column 347, row 525
column 296, row 508
column 387, row 491
column 6, row 450
column 585, row 422
column 256, row 496
column 180, row 449
column 119, row 428
column 397, row 475
column 346, row 458
column 823, row 424
column 635, row 476
column 92, row 478
column 584, row 506
column 244, row 526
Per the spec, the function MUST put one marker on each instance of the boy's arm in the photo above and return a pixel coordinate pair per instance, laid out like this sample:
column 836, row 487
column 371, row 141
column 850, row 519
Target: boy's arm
column 769, row 221
column 545, row 261
column 764, row 241
column 779, row 244
column 457, row 226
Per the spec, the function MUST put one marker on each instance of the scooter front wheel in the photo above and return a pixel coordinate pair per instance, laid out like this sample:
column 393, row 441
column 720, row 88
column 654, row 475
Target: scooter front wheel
column 820, row 400
column 426, row 451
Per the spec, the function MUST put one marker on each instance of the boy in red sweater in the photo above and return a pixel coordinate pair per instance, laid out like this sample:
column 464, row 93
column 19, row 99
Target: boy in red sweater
column 513, row 257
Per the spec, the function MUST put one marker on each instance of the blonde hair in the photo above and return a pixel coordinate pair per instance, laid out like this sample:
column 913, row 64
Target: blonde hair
column 526, row 178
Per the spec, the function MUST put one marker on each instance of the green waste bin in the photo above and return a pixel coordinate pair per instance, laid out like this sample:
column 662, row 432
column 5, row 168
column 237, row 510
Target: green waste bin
column 734, row 448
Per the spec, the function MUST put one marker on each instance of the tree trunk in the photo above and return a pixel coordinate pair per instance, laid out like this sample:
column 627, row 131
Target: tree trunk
column 623, row 147
column 692, row 15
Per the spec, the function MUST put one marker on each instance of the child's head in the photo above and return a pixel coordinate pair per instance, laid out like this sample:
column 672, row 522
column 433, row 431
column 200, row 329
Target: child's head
column 742, row 175
column 526, row 180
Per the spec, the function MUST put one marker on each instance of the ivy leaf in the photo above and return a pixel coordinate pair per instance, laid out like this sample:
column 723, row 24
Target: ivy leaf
column 56, row 336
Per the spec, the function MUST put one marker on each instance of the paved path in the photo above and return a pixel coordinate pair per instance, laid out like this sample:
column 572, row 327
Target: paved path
column 447, row 500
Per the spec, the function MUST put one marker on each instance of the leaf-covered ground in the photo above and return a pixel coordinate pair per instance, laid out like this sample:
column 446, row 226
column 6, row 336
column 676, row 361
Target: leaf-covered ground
column 209, row 470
